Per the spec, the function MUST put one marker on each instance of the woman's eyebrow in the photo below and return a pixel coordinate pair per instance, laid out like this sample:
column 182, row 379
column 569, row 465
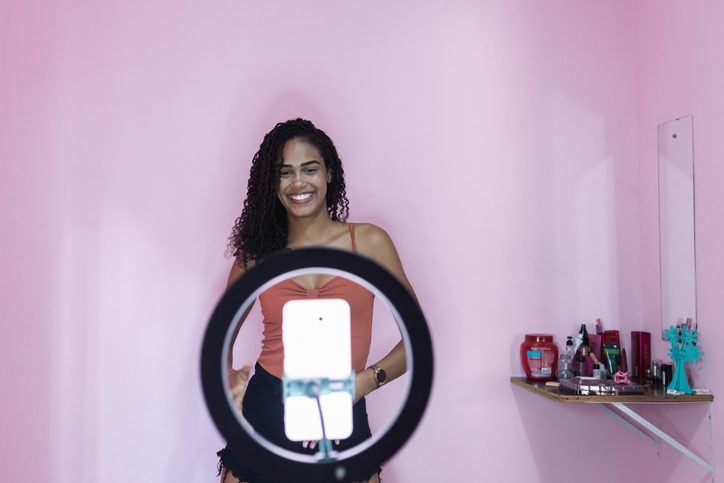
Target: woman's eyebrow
column 303, row 164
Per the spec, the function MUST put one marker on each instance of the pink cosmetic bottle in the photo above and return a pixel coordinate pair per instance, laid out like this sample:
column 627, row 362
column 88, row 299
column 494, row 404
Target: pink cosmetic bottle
column 640, row 354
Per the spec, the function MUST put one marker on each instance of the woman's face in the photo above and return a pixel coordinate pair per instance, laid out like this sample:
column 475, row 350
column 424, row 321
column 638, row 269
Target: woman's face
column 303, row 180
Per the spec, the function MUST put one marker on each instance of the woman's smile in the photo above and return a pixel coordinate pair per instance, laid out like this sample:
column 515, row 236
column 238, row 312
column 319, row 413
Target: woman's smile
column 301, row 198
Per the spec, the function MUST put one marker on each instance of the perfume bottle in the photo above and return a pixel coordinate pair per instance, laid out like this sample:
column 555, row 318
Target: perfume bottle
column 656, row 372
column 581, row 367
column 564, row 367
column 588, row 360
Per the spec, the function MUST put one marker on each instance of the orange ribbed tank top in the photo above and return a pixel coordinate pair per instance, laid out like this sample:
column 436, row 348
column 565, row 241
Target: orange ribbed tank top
column 360, row 300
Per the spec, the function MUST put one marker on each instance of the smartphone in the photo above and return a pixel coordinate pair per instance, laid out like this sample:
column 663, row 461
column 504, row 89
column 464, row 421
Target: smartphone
column 317, row 342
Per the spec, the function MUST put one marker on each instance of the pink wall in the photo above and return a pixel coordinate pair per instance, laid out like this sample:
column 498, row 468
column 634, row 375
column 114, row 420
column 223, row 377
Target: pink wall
column 504, row 145
column 680, row 69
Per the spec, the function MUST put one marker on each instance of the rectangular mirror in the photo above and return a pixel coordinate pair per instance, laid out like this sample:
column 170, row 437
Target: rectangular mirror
column 677, row 252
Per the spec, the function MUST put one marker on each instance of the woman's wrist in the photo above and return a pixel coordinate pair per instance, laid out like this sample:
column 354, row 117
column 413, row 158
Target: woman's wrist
column 367, row 382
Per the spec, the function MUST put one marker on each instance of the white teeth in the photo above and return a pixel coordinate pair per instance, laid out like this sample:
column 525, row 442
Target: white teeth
column 301, row 197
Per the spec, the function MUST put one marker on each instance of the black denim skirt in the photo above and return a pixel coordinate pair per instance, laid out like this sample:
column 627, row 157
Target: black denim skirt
column 264, row 410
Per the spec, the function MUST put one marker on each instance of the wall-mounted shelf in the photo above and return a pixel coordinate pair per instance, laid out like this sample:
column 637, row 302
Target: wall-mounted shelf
column 652, row 396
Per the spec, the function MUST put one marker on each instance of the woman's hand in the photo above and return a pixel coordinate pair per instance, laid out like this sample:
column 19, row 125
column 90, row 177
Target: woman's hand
column 313, row 444
column 237, row 382
column 364, row 384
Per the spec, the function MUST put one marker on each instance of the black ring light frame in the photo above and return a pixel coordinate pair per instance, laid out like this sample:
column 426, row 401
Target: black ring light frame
column 266, row 457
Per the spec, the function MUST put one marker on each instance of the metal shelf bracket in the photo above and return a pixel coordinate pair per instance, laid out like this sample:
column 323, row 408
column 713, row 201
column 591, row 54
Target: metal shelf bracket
column 654, row 428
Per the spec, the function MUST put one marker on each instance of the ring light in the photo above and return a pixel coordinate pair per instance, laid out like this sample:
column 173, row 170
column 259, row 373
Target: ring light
column 268, row 458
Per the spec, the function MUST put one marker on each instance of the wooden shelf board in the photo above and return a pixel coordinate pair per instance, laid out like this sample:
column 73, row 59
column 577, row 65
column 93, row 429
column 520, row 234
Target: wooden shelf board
column 652, row 395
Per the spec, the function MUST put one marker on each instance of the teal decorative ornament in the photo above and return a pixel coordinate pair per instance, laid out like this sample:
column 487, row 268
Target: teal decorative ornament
column 683, row 348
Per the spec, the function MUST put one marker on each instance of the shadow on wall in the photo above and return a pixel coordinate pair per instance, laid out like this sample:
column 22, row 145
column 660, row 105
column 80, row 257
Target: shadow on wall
column 586, row 427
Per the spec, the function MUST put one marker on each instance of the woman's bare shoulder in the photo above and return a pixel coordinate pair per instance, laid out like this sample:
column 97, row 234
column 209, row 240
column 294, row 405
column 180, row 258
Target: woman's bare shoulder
column 374, row 242
column 370, row 238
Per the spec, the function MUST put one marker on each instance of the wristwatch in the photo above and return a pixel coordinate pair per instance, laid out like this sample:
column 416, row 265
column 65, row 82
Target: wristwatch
column 380, row 374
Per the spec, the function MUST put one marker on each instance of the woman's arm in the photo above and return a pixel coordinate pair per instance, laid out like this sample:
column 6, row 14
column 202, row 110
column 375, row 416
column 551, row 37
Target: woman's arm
column 237, row 378
column 373, row 242
column 236, row 272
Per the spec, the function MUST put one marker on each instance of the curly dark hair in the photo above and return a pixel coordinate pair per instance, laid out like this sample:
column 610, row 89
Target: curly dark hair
column 262, row 228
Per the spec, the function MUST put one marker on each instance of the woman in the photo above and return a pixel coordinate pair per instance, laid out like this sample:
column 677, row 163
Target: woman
column 296, row 198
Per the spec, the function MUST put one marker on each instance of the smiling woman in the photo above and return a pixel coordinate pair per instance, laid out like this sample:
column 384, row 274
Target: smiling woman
column 296, row 199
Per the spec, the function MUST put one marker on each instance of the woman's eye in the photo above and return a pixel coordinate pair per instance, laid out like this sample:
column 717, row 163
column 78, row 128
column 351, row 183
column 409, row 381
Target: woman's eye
column 311, row 170
column 284, row 173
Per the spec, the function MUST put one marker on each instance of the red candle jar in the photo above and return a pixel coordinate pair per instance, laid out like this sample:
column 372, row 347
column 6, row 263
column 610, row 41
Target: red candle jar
column 539, row 356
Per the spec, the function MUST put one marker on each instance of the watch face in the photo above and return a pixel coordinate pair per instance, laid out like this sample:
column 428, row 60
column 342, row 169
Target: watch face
column 381, row 376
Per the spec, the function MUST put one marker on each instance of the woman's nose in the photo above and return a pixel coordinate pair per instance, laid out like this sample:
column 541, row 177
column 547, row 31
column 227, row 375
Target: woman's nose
column 297, row 181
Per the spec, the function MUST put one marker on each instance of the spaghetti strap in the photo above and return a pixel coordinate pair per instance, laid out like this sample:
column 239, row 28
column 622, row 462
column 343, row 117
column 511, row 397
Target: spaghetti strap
column 351, row 234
